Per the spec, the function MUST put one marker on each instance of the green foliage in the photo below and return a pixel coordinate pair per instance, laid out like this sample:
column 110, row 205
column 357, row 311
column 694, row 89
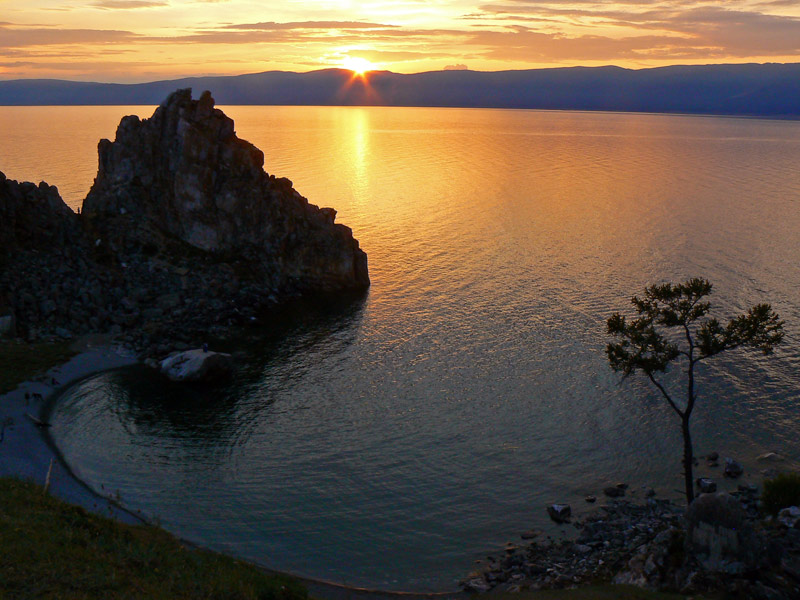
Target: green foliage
column 645, row 344
column 781, row 491
column 673, row 326
column 50, row 549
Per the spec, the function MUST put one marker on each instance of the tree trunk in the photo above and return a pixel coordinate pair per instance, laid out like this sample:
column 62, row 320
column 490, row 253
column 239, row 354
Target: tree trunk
column 688, row 460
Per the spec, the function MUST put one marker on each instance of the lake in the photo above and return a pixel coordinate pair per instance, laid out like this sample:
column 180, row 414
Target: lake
column 392, row 441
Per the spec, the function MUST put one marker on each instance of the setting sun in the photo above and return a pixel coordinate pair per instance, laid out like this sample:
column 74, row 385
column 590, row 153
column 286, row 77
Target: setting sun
column 357, row 65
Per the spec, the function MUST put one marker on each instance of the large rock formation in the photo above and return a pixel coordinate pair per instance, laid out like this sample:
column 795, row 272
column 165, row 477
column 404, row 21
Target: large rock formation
column 182, row 236
column 183, row 174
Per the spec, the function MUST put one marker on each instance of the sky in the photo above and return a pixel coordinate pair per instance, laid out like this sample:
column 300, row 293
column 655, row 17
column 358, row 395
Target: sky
column 146, row 40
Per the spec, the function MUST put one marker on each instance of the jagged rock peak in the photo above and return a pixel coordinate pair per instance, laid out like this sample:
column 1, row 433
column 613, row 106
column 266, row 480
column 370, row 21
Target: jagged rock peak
column 184, row 174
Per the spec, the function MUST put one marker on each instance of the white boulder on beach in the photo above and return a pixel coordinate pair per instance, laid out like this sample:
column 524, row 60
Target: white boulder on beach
column 197, row 365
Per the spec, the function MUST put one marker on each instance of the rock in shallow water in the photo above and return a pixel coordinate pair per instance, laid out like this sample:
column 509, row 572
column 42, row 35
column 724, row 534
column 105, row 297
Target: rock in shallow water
column 198, row 366
column 733, row 469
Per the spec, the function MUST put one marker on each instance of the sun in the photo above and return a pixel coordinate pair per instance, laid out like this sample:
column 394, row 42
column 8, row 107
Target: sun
column 357, row 65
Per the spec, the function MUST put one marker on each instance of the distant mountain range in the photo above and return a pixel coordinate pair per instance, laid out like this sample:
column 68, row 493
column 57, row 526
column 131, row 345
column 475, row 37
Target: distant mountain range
column 744, row 89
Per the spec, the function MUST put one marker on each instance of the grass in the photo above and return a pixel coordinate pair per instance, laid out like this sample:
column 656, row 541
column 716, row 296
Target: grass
column 20, row 361
column 50, row 549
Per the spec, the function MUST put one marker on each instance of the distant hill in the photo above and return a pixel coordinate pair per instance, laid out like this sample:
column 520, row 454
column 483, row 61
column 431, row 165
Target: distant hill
column 749, row 89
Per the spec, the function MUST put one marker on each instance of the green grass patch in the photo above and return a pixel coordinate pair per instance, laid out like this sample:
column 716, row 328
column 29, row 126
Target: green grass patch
column 51, row 549
column 20, row 361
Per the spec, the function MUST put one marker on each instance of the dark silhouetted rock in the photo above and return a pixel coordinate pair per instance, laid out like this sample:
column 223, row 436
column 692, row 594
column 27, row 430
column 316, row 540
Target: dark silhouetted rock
column 184, row 175
column 614, row 492
column 34, row 217
column 733, row 469
column 706, row 485
column 560, row 513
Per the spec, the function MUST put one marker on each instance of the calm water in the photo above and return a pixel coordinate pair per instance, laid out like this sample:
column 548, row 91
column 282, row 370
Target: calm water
column 391, row 442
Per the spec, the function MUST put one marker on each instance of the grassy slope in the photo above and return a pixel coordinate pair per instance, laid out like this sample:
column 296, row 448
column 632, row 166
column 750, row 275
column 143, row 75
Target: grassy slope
column 20, row 361
column 50, row 549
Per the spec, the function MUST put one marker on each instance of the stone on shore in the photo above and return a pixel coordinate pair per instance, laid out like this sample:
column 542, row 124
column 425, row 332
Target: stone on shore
column 719, row 534
column 198, row 366
column 733, row 469
column 560, row 513
column 706, row 485
column 770, row 457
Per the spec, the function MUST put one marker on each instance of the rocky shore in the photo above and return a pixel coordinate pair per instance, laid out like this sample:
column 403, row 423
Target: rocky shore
column 182, row 237
column 721, row 545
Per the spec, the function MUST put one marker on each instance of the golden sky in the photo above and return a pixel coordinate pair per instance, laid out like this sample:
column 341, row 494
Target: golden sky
column 143, row 40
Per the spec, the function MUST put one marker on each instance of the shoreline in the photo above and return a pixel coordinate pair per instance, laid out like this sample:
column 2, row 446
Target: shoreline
column 27, row 450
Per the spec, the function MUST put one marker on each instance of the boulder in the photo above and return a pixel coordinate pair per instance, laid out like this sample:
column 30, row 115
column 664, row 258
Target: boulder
column 614, row 491
column 789, row 517
column 198, row 366
column 560, row 513
column 733, row 469
column 719, row 534
column 706, row 485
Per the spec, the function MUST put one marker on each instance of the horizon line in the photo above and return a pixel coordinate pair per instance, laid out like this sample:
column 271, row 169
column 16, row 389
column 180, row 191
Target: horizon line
column 387, row 71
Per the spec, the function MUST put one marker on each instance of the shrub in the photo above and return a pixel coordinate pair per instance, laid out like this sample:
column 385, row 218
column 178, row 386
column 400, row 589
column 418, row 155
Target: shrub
column 780, row 492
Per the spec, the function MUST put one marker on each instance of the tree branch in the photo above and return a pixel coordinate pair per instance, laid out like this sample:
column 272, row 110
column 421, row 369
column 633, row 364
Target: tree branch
column 666, row 395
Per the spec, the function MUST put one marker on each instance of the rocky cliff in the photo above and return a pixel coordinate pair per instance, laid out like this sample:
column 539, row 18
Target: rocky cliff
column 182, row 236
column 183, row 174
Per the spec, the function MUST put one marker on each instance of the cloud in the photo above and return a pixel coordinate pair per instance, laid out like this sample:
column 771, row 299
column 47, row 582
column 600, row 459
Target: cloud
column 679, row 28
column 128, row 4
column 493, row 34
column 327, row 25
column 457, row 67
column 15, row 36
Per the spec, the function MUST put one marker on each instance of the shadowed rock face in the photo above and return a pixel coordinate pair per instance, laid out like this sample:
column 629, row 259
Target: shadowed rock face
column 33, row 217
column 184, row 175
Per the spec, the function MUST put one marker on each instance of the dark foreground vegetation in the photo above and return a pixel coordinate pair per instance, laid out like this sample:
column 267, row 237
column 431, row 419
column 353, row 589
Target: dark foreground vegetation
column 50, row 549
column 20, row 361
